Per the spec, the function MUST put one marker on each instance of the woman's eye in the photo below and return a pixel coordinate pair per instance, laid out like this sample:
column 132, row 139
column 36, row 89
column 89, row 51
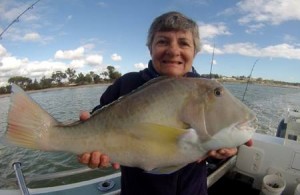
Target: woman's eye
column 162, row 42
column 185, row 44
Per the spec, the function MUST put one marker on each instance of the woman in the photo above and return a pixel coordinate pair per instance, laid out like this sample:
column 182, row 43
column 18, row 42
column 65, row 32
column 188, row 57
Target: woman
column 173, row 42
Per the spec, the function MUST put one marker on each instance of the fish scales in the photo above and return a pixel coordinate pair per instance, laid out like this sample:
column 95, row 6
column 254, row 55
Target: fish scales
column 168, row 122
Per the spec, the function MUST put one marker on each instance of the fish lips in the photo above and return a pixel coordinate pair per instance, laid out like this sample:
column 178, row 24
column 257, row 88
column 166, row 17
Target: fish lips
column 248, row 125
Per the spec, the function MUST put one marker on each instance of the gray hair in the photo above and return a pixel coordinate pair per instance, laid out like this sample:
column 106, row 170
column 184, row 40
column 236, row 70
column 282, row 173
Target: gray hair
column 174, row 21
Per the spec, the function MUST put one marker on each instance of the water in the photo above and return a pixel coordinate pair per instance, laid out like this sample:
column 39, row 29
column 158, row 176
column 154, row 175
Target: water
column 62, row 104
column 269, row 103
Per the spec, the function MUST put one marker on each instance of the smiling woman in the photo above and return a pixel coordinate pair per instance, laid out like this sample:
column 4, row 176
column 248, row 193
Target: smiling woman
column 173, row 41
column 172, row 52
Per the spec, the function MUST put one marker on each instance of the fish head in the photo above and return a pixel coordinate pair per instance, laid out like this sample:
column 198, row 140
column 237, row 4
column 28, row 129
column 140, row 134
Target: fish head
column 211, row 109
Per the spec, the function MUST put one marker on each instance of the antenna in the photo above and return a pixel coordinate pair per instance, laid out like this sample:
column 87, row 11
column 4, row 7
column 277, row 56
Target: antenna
column 249, row 78
column 212, row 61
column 17, row 18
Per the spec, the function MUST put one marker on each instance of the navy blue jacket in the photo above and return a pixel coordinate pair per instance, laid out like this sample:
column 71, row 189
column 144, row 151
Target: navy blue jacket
column 191, row 179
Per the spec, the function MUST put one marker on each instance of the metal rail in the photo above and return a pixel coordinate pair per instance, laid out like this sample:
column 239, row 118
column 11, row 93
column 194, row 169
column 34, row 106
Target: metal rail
column 20, row 178
column 58, row 174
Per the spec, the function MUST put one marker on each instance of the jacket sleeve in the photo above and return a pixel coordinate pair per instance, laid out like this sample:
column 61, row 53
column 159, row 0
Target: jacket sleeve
column 120, row 87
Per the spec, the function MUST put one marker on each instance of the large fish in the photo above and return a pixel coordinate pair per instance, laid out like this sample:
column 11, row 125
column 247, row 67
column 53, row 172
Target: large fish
column 168, row 122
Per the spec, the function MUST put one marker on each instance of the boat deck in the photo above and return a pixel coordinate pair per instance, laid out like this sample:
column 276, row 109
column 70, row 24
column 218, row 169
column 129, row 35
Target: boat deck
column 233, row 184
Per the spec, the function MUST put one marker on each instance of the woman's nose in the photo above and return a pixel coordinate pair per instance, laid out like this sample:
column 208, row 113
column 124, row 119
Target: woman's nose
column 173, row 49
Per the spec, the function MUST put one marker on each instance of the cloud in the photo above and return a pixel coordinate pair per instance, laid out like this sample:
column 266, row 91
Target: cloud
column 77, row 64
column 254, row 27
column 10, row 63
column 89, row 46
column 10, row 10
column 30, row 21
column 289, row 38
column 2, row 51
column 268, row 11
column 13, row 66
column 246, row 49
column 70, row 54
column 32, row 37
column 140, row 66
column 116, row 57
column 283, row 50
column 102, row 4
column 77, row 59
column 209, row 31
column 207, row 48
column 94, row 60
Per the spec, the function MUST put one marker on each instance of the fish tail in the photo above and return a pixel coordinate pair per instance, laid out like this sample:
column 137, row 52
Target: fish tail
column 28, row 124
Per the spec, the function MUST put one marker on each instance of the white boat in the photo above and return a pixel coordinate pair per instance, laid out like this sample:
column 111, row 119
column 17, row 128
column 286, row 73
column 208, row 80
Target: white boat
column 246, row 173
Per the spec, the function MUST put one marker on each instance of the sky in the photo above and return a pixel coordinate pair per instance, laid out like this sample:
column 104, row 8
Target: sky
column 93, row 34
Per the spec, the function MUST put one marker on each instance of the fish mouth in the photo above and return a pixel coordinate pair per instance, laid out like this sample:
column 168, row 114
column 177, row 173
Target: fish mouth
column 248, row 125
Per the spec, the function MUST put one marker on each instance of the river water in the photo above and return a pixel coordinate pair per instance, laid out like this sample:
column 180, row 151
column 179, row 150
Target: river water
column 269, row 103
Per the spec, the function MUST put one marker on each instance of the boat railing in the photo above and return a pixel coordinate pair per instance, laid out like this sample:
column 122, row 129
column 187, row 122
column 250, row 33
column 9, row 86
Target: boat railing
column 48, row 176
column 104, row 183
column 20, row 178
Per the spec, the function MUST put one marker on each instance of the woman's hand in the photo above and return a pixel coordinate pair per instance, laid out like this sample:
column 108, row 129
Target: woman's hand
column 94, row 159
column 224, row 153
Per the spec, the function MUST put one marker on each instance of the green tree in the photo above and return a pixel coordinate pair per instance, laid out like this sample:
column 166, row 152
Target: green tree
column 104, row 74
column 112, row 73
column 58, row 76
column 80, row 79
column 34, row 86
column 97, row 79
column 71, row 74
column 6, row 89
column 45, row 82
column 88, row 78
column 21, row 81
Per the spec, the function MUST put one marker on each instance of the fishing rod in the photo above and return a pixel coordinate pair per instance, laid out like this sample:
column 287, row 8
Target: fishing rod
column 17, row 18
column 249, row 78
column 212, row 61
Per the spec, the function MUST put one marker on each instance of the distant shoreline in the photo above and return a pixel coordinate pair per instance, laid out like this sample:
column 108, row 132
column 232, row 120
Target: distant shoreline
column 264, row 84
column 107, row 84
column 59, row 88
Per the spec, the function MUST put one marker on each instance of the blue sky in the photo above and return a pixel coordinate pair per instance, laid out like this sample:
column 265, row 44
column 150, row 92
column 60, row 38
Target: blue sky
column 92, row 34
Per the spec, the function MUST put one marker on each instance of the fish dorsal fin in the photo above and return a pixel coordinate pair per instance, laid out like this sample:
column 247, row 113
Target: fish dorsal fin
column 145, row 85
column 148, row 84
column 156, row 80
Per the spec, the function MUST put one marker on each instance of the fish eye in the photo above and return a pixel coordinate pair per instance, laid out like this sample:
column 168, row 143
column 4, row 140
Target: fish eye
column 218, row 92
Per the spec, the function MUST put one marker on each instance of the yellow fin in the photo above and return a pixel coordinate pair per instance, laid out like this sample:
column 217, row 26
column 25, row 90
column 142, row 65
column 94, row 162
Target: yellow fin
column 158, row 132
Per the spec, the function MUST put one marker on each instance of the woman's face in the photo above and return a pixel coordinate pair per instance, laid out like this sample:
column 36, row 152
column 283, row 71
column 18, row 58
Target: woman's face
column 172, row 52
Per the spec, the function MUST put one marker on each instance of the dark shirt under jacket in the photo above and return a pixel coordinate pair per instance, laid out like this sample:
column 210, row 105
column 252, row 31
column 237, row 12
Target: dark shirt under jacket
column 189, row 180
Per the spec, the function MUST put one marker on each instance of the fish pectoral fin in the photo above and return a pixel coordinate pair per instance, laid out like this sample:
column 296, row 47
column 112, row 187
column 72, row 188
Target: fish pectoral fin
column 166, row 170
column 158, row 132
